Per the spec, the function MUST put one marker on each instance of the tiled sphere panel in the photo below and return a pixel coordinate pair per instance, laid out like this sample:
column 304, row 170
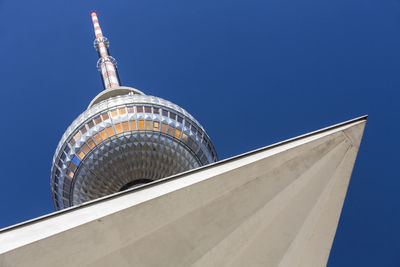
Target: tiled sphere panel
column 123, row 142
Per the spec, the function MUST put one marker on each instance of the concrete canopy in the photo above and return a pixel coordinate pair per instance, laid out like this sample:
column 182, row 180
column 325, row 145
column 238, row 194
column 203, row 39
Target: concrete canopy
column 276, row 206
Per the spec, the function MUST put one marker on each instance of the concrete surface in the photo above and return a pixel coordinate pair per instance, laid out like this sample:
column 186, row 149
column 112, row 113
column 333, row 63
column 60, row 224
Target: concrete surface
column 276, row 206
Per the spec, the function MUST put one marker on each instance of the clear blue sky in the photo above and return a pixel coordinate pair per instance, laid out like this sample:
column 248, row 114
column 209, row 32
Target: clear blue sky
column 252, row 72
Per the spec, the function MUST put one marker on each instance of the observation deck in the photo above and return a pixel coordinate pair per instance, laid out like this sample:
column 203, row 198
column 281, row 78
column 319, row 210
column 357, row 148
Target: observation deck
column 125, row 138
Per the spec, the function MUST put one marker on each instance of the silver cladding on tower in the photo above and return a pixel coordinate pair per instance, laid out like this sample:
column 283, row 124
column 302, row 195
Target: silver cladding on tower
column 122, row 142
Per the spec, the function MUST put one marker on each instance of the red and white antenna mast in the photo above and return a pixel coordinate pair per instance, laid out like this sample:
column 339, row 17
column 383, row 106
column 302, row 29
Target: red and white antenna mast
column 107, row 65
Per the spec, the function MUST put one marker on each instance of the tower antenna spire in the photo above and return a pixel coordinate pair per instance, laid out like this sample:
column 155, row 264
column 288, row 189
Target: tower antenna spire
column 106, row 65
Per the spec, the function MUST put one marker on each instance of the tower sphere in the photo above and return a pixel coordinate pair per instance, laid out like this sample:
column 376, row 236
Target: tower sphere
column 125, row 138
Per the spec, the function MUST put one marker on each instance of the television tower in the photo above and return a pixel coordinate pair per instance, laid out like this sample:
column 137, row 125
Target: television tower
column 106, row 64
column 124, row 138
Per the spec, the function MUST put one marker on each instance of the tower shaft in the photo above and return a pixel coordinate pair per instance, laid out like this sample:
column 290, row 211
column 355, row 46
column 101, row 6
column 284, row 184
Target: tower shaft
column 106, row 65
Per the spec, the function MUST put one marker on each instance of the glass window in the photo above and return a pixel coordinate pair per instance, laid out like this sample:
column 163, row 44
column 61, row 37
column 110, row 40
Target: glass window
column 141, row 125
column 189, row 141
column 139, row 109
column 172, row 115
column 80, row 154
column 171, row 130
column 147, row 109
column 165, row 113
column 131, row 109
column 60, row 164
column 184, row 137
column 77, row 136
column 66, row 149
column 85, row 148
column 194, row 130
column 177, row 133
column 187, row 124
column 72, row 142
column 156, row 126
column 156, row 110
column 164, row 128
column 133, row 125
column 57, row 172
column 62, row 156
column 114, row 113
column 90, row 143
column 110, row 131
column 97, row 120
column 75, row 161
column 149, row 125
column 105, row 116
column 103, row 134
column 122, row 111
column 72, row 166
column 90, row 124
column 118, row 128
column 204, row 141
column 125, row 126
column 180, row 119
column 71, row 174
column 83, row 129
column 97, row 138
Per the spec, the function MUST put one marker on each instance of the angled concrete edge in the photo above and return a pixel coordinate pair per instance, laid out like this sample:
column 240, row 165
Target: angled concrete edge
column 275, row 206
